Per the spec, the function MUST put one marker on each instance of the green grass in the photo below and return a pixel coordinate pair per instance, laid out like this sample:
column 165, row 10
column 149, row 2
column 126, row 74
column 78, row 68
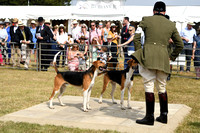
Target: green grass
column 21, row 89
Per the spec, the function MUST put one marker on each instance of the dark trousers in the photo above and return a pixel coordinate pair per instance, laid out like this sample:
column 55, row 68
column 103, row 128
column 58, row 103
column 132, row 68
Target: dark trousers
column 188, row 53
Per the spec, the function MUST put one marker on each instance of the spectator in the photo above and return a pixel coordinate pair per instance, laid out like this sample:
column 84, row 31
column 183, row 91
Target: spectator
column 62, row 39
column 83, row 47
column 129, row 46
column 103, row 56
column 105, row 31
column 3, row 39
column 94, row 33
column 100, row 31
column 83, row 33
column 54, row 47
column 187, row 36
column 73, row 58
column 124, row 33
column 112, row 52
column 24, row 37
column 94, row 48
column 15, row 48
column 75, row 30
column 70, row 39
column 196, row 55
column 113, row 33
column 7, row 27
column 43, row 35
column 34, row 40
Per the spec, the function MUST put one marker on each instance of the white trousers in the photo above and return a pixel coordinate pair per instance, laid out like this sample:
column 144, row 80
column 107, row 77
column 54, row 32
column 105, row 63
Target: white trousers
column 26, row 53
column 150, row 77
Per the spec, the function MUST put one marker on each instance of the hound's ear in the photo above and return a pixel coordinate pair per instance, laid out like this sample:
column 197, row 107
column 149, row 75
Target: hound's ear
column 94, row 63
column 129, row 62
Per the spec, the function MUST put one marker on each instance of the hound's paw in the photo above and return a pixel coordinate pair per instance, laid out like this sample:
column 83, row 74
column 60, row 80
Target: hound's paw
column 51, row 107
column 62, row 104
column 100, row 102
column 114, row 102
column 129, row 107
column 89, row 108
column 123, row 108
column 85, row 110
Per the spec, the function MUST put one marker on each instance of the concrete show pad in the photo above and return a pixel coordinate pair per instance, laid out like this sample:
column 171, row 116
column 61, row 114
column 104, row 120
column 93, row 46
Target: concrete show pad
column 105, row 116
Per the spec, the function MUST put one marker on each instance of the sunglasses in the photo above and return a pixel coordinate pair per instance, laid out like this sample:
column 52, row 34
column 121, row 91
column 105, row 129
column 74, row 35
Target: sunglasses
column 83, row 27
column 129, row 30
column 92, row 25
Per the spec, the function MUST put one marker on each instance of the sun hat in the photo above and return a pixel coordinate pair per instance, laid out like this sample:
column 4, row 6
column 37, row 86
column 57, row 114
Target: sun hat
column 113, row 25
column 47, row 21
column 21, row 24
column 1, row 22
column 84, row 25
column 109, row 37
column 191, row 23
column 33, row 22
column 74, row 22
column 7, row 21
column 15, row 20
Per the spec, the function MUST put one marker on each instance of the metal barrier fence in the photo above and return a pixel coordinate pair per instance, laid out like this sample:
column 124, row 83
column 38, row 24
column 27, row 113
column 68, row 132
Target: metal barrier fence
column 40, row 58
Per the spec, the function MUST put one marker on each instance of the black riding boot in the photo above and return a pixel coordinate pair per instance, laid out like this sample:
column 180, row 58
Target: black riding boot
column 149, row 118
column 163, row 108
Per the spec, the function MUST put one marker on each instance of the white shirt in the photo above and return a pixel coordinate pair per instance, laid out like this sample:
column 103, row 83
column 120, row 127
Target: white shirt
column 15, row 28
column 75, row 31
column 3, row 34
column 189, row 34
column 62, row 38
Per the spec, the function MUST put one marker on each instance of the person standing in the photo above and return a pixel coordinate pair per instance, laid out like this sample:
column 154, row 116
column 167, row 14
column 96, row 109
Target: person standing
column 34, row 39
column 43, row 35
column 187, row 35
column 75, row 30
column 24, row 38
column 124, row 33
column 154, row 58
column 94, row 33
column 196, row 55
column 106, row 31
column 3, row 39
column 15, row 48
column 7, row 27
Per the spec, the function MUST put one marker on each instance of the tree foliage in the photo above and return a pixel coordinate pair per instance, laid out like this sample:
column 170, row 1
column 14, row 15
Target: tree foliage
column 36, row 2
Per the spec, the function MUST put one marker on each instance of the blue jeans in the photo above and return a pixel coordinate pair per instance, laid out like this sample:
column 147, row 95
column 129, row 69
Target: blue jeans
column 188, row 53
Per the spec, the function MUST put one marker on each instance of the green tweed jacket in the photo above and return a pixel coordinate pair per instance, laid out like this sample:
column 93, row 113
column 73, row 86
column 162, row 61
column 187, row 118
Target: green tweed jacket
column 155, row 54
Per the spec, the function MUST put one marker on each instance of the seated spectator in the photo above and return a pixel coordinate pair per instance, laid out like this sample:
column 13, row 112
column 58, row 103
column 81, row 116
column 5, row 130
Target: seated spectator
column 103, row 55
column 73, row 58
column 3, row 39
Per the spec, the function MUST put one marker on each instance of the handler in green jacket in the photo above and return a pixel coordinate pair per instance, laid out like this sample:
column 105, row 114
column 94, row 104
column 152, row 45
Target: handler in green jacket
column 154, row 59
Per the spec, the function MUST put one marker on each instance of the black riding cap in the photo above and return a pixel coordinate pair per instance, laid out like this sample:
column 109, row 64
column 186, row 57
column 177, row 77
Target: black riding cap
column 159, row 6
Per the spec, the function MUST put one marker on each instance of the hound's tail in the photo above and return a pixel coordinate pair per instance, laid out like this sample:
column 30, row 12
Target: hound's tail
column 54, row 62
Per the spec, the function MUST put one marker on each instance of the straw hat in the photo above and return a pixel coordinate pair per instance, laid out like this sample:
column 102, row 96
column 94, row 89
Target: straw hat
column 82, row 38
column 33, row 22
column 109, row 37
column 191, row 23
column 21, row 24
column 74, row 22
column 47, row 21
column 7, row 21
column 15, row 20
